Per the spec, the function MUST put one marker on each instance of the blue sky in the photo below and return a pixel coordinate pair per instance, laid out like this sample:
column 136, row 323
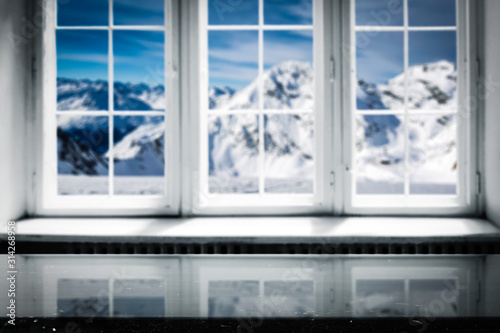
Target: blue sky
column 376, row 12
column 96, row 12
column 431, row 12
column 138, row 12
column 233, row 12
column 431, row 46
column 233, row 58
column 240, row 12
column 382, row 56
column 280, row 46
column 288, row 12
column 82, row 54
column 233, row 55
column 139, row 56
column 420, row 12
column 83, row 12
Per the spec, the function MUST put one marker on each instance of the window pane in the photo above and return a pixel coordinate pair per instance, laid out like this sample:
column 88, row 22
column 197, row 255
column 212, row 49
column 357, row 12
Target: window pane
column 138, row 298
column 82, row 70
column 289, row 298
column 432, row 75
column 82, row 12
column 233, row 299
column 292, row 12
column 139, row 70
column 379, row 12
column 233, row 143
column 82, row 165
column 433, row 155
column 233, row 12
column 380, row 298
column 380, row 67
column 82, row 298
column 143, row 12
column 288, row 76
column 379, row 154
column 138, row 153
column 289, row 153
column 432, row 13
column 433, row 298
column 233, row 69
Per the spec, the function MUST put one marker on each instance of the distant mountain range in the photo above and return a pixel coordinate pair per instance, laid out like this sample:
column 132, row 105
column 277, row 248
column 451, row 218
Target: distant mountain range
column 288, row 139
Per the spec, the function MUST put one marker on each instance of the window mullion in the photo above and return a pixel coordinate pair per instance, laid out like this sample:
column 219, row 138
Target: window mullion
column 111, row 165
column 261, row 97
column 406, row 131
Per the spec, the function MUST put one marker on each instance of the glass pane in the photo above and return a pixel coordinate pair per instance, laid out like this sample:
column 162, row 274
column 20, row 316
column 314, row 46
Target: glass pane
column 82, row 70
column 289, row 158
column 233, row 148
column 433, row 298
column 289, row 298
column 243, row 12
column 82, row 12
column 379, row 154
column 133, row 12
column 379, row 12
column 233, row 69
column 82, row 165
column 138, row 153
column 288, row 73
column 139, row 70
column 380, row 67
column 379, row 298
column 230, row 299
column 138, row 298
column 82, row 298
column 432, row 75
column 432, row 13
column 433, row 154
column 292, row 12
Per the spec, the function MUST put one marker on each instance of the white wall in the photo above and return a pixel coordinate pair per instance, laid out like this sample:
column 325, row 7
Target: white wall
column 13, row 98
column 491, row 71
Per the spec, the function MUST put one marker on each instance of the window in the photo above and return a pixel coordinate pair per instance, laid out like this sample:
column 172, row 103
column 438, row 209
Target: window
column 257, row 107
column 110, row 109
column 409, row 118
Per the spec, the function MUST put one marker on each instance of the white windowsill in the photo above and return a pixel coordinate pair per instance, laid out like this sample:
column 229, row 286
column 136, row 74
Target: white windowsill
column 303, row 228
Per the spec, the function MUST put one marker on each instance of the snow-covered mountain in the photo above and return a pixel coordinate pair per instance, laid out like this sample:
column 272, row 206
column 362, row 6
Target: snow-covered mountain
column 432, row 139
column 288, row 139
column 141, row 151
column 81, row 143
column 83, row 147
column 288, row 85
column 81, row 95
column 430, row 87
column 93, row 95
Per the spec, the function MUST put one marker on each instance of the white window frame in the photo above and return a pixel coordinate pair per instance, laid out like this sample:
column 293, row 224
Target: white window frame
column 196, row 199
column 185, row 36
column 466, row 200
column 47, row 201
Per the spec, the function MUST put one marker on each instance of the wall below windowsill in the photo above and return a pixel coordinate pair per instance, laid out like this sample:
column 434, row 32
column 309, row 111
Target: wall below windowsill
column 261, row 229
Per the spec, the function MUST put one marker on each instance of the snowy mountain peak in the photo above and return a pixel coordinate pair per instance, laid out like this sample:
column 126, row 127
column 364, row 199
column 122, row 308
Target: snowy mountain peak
column 431, row 86
column 288, row 85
